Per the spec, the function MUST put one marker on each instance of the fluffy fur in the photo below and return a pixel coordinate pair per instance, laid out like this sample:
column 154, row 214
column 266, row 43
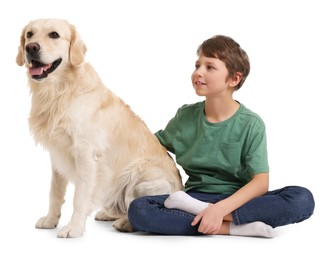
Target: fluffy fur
column 94, row 139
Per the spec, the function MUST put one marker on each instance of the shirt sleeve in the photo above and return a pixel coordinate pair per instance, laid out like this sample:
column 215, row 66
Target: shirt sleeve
column 257, row 156
column 167, row 135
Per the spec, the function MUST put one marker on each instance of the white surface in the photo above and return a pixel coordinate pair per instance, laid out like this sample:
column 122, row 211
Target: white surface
column 145, row 52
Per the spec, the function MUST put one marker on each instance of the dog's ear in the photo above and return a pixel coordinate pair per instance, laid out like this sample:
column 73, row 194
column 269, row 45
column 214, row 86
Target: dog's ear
column 77, row 49
column 20, row 54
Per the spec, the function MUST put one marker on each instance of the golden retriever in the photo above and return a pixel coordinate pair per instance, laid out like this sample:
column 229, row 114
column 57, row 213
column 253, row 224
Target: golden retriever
column 94, row 139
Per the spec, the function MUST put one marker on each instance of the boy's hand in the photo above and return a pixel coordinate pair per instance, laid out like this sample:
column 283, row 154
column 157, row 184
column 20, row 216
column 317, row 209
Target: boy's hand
column 210, row 220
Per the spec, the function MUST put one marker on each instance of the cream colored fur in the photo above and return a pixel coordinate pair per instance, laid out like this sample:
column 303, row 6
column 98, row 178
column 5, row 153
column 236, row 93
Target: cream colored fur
column 94, row 139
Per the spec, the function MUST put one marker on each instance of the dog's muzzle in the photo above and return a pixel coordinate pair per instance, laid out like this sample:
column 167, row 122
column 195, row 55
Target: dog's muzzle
column 37, row 69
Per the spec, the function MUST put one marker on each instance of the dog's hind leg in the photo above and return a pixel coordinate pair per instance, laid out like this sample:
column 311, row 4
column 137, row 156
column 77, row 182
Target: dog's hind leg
column 145, row 188
column 56, row 200
column 123, row 225
column 105, row 215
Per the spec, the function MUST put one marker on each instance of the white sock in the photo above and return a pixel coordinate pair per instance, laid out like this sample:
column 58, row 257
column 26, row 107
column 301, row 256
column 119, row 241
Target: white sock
column 183, row 201
column 253, row 229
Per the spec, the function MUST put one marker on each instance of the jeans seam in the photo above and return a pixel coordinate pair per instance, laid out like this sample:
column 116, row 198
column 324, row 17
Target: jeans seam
column 235, row 217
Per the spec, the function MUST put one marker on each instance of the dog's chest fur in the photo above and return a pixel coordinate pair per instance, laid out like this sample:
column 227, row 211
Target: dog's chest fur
column 49, row 119
column 52, row 119
column 62, row 120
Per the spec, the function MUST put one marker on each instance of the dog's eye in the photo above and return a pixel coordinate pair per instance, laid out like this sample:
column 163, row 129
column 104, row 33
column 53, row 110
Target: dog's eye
column 29, row 34
column 54, row 35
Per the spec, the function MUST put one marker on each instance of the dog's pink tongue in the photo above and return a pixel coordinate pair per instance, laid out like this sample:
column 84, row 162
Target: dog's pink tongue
column 39, row 70
column 35, row 71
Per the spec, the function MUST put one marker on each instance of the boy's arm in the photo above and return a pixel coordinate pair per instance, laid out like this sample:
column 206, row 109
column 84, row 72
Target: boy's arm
column 258, row 186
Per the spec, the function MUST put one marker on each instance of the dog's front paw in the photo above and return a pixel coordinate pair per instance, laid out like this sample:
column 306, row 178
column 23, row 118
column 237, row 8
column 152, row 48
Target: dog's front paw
column 70, row 231
column 47, row 222
column 123, row 225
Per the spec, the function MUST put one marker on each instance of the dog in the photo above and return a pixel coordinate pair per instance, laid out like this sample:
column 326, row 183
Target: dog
column 94, row 139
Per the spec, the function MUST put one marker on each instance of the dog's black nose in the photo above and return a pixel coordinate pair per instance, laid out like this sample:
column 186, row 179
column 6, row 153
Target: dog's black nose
column 32, row 48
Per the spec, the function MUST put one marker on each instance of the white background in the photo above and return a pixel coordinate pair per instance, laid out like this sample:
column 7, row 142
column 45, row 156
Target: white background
column 144, row 52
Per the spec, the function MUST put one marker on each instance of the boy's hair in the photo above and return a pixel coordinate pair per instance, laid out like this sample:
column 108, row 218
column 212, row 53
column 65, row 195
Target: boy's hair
column 227, row 50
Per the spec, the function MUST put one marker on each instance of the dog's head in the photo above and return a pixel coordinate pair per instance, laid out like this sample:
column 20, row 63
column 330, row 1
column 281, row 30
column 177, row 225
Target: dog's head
column 49, row 45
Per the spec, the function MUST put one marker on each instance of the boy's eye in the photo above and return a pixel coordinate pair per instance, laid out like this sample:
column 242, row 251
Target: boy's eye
column 209, row 67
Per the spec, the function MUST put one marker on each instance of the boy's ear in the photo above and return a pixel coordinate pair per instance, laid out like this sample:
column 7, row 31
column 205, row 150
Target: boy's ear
column 235, row 79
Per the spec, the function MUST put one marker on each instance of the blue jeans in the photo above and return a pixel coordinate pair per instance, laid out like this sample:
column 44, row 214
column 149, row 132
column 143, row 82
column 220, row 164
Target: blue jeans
column 291, row 204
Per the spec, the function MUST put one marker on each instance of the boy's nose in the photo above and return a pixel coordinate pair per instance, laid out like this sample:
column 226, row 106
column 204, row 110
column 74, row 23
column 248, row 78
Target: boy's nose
column 198, row 71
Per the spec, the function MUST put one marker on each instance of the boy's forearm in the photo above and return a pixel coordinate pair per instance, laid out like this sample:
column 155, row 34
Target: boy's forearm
column 256, row 187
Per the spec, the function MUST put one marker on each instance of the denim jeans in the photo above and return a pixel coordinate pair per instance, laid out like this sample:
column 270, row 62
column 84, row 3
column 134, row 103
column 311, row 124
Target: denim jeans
column 291, row 204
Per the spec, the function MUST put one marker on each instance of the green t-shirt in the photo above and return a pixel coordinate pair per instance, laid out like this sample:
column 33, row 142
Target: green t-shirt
column 217, row 157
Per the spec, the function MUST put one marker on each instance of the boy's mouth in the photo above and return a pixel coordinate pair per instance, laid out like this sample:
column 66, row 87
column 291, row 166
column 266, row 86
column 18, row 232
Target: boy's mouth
column 199, row 83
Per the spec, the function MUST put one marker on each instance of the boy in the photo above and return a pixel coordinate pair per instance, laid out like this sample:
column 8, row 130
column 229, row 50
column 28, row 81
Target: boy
column 221, row 145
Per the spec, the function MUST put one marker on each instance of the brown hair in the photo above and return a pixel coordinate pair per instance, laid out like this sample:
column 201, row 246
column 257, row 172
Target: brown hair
column 227, row 50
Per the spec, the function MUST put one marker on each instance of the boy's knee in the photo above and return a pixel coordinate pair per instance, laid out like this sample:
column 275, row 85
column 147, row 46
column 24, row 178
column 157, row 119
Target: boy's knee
column 137, row 214
column 133, row 212
column 303, row 202
column 306, row 199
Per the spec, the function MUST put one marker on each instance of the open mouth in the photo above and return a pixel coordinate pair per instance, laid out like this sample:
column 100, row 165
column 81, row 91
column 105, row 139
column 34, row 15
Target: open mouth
column 198, row 83
column 40, row 70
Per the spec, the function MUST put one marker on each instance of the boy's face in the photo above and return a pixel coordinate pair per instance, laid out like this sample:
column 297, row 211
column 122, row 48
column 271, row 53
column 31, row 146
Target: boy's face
column 210, row 77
